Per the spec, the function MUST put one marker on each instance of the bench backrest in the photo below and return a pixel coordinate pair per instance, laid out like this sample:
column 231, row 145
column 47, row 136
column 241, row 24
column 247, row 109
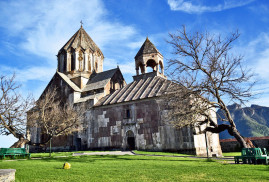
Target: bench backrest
column 264, row 151
column 13, row 151
column 250, row 152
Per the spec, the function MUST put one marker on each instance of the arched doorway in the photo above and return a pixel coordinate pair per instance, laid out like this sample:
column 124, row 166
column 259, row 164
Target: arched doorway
column 130, row 140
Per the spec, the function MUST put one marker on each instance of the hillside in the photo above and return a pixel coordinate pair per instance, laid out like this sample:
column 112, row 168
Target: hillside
column 251, row 121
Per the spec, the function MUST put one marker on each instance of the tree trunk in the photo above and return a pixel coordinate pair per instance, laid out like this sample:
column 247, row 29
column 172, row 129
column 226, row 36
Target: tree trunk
column 20, row 143
column 239, row 138
column 214, row 128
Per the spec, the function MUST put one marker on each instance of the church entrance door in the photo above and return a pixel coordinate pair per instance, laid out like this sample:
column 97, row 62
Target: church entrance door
column 130, row 140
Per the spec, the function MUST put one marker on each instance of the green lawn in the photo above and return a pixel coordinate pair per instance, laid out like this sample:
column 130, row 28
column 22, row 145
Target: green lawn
column 133, row 168
column 56, row 154
column 160, row 153
column 231, row 154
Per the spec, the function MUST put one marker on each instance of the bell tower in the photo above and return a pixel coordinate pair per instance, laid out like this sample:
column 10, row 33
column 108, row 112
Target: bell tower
column 149, row 56
column 80, row 57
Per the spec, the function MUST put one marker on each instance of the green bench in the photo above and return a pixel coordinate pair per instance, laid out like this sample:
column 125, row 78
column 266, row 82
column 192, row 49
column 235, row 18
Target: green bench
column 13, row 152
column 252, row 156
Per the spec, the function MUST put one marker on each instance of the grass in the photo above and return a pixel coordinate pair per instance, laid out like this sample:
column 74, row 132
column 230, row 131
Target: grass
column 58, row 154
column 133, row 168
column 160, row 153
column 228, row 154
column 68, row 154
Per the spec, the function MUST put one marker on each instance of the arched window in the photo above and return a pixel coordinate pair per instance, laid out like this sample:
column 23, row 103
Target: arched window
column 160, row 67
column 73, row 62
column 96, row 66
column 141, row 67
column 152, row 64
column 117, row 86
column 64, row 60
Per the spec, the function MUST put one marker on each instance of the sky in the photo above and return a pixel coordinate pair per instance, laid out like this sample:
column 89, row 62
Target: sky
column 32, row 32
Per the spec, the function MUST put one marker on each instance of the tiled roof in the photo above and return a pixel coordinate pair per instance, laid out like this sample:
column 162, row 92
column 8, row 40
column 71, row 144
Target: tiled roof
column 81, row 39
column 147, row 48
column 99, row 80
column 143, row 88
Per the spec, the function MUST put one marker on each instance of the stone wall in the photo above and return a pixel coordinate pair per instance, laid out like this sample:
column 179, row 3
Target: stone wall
column 231, row 145
column 110, row 126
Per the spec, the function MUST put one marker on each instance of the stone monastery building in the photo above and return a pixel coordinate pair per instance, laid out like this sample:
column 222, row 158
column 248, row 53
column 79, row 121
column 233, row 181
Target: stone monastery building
column 120, row 116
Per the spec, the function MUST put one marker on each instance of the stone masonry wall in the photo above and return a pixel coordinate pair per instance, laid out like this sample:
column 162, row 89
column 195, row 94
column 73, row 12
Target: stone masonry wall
column 231, row 145
column 110, row 124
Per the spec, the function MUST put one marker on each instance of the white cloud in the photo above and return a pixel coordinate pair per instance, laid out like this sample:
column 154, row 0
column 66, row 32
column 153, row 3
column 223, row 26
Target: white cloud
column 45, row 26
column 194, row 6
column 42, row 27
column 28, row 74
column 257, row 58
column 126, row 67
column 257, row 55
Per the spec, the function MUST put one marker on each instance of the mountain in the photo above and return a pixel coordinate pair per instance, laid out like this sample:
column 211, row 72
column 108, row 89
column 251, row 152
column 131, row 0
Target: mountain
column 251, row 121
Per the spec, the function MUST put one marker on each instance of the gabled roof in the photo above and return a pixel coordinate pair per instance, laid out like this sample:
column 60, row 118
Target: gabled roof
column 147, row 87
column 147, row 48
column 81, row 39
column 69, row 82
column 99, row 80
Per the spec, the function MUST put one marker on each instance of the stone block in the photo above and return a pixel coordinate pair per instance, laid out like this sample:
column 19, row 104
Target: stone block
column 7, row 175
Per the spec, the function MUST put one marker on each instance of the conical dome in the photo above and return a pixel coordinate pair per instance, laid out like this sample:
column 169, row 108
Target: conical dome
column 81, row 39
column 147, row 48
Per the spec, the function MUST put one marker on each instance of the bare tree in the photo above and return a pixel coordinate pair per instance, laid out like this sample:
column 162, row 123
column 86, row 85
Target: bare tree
column 208, row 76
column 13, row 108
column 52, row 116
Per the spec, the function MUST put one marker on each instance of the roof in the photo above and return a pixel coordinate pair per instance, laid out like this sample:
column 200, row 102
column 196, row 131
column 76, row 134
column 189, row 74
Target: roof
column 81, row 39
column 147, row 48
column 90, row 97
column 99, row 80
column 69, row 82
column 250, row 138
column 147, row 87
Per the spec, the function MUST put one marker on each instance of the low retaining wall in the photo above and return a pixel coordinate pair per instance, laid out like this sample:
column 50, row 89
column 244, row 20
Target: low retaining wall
column 231, row 145
column 7, row 175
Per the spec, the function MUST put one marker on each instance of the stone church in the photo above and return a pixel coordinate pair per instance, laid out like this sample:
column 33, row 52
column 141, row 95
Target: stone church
column 121, row 116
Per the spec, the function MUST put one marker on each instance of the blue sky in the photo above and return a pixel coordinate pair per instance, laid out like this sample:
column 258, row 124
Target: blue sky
column 32, row 32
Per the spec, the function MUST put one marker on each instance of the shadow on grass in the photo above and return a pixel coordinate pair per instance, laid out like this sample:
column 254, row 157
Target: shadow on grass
column 93, row 158
column 209, row 160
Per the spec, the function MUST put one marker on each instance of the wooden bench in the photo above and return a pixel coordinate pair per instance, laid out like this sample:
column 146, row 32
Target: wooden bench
column 252, row 156
column 13, row 152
